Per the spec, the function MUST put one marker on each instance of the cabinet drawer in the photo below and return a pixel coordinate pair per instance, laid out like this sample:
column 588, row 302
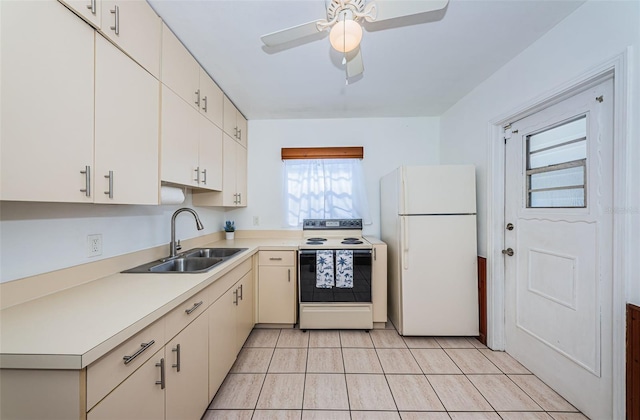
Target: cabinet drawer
column 277, row 257
column 109, row 371
column 186, row 312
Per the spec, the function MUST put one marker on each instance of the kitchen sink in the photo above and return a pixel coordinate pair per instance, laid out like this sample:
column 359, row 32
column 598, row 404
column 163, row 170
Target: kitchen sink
column 213, row 252
column 184, row 265
column 197, row 260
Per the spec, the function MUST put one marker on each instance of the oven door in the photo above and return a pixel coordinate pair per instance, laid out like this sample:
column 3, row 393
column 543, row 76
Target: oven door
column 360, row 292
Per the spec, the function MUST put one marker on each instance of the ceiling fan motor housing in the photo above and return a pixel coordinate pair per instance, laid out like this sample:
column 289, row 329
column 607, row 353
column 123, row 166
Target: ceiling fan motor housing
column 336, row 6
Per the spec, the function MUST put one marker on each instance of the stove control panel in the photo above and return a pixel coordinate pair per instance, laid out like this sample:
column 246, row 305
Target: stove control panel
column 331, row 224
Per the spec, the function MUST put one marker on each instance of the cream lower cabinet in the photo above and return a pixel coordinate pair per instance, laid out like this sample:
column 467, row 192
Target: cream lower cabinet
column 245, row 317
column 187, row 379
column 379, row 281
column 230, row 322
column 140, row 396
column 277, row 287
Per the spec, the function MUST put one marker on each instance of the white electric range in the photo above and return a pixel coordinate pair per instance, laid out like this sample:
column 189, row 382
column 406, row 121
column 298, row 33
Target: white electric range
column 334, row 275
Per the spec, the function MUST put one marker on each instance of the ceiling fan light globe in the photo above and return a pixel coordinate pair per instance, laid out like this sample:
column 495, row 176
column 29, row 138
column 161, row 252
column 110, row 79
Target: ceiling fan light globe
column 345, row 35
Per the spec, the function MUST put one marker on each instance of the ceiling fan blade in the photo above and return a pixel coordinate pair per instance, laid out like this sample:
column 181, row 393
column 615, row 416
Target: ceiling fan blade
column 354, row 63
column 379, row 10
column 291, row 34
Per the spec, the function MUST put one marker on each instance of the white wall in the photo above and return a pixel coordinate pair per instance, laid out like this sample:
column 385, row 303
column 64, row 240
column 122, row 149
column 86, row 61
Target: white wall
column 388, row 143
column 40, row 237
column 593, row 34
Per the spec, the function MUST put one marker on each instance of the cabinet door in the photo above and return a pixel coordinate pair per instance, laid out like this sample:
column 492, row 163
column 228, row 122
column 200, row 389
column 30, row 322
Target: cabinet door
column 138, row 397
column 276, row 295
column 126, row 133
column 229, row 124
column 245, row 318
column 210, row 155
column 47, row 96
column 241, row 176
column 187, row 388
column 211, row 99
column 180, row 71
column 180, row 140
column 222, row 338
column 229, row 157
column 241, row 123
column 379, row 282
column 135, row 27
column 90, row 10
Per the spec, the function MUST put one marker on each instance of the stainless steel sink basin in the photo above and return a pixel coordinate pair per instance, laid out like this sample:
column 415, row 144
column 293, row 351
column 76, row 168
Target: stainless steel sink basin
column 213, row 252
column 197, row 260
column 184, row 265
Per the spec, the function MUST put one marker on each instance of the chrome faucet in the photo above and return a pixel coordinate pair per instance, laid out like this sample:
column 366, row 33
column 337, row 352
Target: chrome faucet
column 172, row 245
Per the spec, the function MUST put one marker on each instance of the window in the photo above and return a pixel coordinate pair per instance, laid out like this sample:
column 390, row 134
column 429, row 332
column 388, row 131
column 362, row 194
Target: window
column 324, row 189
column 557, row 166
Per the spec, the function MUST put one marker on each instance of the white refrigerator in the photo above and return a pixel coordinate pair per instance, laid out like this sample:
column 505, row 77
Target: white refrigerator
column 428, row 220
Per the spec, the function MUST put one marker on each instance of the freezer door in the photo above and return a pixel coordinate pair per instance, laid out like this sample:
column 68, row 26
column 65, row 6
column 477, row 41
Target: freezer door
column 444, row 189
column 439, row 276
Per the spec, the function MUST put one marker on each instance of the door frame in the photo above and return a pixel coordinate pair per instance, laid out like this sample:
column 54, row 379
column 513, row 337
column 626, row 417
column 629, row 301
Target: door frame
column 623, row 154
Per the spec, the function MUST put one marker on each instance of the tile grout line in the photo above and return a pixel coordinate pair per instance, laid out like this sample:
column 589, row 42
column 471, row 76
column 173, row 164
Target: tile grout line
column 266, row 373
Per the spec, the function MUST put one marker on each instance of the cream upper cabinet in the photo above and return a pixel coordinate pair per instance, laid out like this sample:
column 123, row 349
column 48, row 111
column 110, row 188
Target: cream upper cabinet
column 187, row 374
column 234, row 123
column 127, row 108
column 211, row 99
column 210, row 155
column 47, row 80
column 277, row 287
column 136, row 28
column 191, row 145
column 180, row 140
column 180, row 71
column 90, row 10
column 182, row 74
column 234, row 178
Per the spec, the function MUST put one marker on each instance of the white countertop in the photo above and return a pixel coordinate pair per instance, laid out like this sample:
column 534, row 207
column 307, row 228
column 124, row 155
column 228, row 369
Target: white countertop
column 72, row 328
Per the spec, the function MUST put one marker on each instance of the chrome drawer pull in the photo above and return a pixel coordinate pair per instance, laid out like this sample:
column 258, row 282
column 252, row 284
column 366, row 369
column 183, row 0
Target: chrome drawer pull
column 87, row 181
column 143, row 347
column 161, row 382
column 177, row 364
column 110, row 178
column 289, row 275
column 193, row 308
column 116, row 27
column 240, row 297
column 275, row 259
column 92, row 7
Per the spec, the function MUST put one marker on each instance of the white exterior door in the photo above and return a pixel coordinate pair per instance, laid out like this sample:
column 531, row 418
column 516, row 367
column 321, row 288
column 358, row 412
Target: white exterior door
column 558, row 282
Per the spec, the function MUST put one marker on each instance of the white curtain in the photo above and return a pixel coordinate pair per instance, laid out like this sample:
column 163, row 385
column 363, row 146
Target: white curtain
column 324, row 189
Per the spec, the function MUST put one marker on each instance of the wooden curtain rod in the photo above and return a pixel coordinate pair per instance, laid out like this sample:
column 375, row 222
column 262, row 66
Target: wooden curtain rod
column 356, row 152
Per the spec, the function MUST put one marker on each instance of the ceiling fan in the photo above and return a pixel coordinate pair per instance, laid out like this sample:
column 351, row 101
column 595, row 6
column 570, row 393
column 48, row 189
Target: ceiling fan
column 344, row 19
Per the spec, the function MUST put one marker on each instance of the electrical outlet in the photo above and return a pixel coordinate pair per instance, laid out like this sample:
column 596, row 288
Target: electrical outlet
column 256, row 220
column 94, row 245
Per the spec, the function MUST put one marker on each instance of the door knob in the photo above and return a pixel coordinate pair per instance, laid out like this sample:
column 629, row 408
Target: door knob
column 509, row 226
column 508, row 252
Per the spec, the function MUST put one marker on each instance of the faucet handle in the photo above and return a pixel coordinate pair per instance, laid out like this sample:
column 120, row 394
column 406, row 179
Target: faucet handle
column 178, row 246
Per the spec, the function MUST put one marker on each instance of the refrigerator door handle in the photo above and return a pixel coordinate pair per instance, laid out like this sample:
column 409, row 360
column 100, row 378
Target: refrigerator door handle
column 405, row 243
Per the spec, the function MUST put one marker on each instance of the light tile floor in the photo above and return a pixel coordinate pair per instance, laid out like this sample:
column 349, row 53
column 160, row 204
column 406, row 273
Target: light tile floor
column 291, row 374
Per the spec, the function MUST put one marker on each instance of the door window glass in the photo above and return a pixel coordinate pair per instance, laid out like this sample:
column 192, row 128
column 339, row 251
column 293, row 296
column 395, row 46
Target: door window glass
column 556, row 166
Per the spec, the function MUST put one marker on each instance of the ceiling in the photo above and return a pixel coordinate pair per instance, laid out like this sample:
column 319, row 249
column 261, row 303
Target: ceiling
column 415, row 66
